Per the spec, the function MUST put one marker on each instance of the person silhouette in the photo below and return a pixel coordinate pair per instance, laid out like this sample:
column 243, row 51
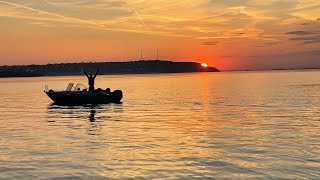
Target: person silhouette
column 91, row 79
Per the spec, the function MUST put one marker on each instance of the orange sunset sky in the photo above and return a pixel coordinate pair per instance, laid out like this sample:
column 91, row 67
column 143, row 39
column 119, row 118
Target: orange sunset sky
column 227, row 34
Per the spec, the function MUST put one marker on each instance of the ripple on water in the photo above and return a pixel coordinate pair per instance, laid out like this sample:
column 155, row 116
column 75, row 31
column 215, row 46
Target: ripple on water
column 197, row 126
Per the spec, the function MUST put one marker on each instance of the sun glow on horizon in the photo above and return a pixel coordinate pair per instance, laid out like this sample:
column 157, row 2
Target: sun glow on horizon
column 204, row 64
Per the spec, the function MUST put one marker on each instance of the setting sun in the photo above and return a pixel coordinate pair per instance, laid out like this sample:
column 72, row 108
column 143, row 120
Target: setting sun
column 204, row 65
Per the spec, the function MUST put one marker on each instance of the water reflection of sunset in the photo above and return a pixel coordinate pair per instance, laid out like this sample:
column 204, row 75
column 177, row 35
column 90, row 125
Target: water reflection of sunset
column 189, row 125
column 205, row 94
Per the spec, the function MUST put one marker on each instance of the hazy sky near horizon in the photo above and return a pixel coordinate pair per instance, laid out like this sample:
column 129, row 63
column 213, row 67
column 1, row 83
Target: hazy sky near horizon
column 228, row 34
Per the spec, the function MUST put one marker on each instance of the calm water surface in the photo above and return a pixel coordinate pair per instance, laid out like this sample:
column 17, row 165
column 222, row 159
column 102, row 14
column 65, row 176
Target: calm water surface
column 240, row 125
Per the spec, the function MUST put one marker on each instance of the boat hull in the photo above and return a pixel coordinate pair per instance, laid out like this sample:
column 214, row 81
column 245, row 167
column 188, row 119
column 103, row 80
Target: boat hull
column 90, row 97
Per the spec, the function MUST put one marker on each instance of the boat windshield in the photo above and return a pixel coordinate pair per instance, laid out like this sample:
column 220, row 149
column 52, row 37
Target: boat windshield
column 79, row 87
column 71, row 87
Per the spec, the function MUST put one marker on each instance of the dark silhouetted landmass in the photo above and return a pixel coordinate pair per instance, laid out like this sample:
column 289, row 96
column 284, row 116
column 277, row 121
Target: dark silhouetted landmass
column 131, row 67
column 20, row 73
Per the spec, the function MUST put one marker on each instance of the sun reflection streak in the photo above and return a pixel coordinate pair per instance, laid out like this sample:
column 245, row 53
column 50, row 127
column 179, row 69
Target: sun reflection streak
column 205, row 95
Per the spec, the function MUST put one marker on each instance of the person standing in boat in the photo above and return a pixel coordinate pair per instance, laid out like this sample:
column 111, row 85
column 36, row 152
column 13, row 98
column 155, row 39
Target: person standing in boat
column 91, row 79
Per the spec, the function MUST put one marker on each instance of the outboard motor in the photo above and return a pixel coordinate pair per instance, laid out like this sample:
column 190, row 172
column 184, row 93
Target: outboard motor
column 117, row 95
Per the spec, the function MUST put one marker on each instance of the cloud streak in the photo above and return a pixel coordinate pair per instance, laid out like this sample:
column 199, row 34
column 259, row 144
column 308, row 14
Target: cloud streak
column 140, row 17
column 52, row 14
column 301, row 33
column 71, row 20
column 210, row 43
column 171, row 17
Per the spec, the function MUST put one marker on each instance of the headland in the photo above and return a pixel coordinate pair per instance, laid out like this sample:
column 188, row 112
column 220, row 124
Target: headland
column 130, row 67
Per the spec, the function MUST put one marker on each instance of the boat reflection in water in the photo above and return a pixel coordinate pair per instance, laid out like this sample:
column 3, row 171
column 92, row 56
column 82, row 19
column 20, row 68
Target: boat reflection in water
column 89, row 117
column 92, row 114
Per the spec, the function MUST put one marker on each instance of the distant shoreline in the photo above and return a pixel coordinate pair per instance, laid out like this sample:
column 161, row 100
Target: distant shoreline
column 106, row 68
column 53, row 75
column 117, row 68
column 280, row 69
